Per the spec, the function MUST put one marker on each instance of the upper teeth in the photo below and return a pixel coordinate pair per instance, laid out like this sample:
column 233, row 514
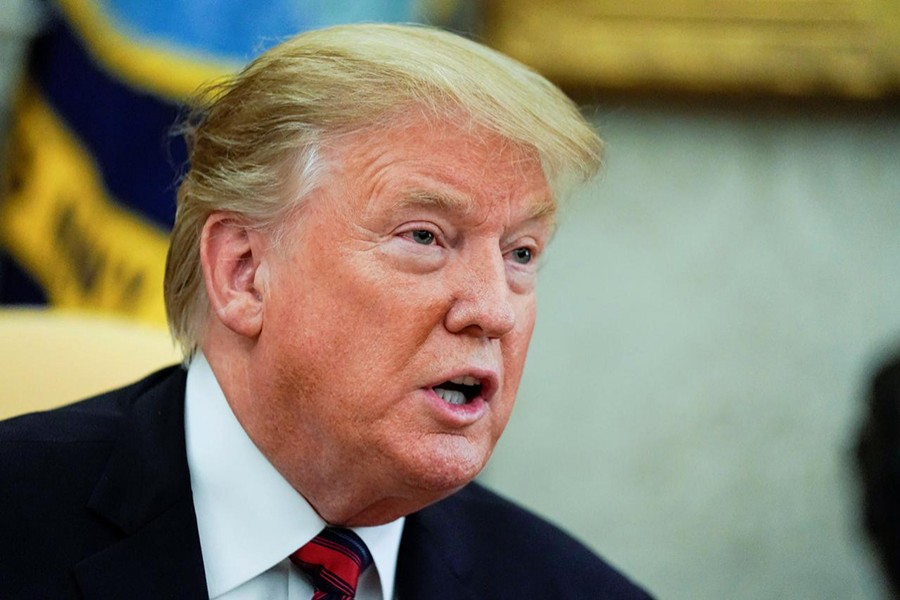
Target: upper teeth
column 465, row 380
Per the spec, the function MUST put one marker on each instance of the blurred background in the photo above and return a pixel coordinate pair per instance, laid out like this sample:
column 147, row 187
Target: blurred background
column 714, row 306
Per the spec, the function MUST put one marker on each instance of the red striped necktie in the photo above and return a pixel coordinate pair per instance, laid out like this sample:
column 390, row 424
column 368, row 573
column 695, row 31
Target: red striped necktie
column 333, row 561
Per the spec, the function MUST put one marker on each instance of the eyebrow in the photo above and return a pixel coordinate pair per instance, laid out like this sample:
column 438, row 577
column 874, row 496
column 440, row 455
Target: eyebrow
column 545, row 208
column 433, row 199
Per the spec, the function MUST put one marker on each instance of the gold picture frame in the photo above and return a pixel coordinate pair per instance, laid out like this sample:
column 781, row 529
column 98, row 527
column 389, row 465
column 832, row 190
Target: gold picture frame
column 848, row 48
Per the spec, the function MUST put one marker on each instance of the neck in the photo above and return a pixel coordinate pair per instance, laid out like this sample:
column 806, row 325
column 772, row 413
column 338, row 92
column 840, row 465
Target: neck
column 353, row 498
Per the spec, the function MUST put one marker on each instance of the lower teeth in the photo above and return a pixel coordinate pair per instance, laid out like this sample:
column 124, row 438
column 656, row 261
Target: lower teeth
column 451, row 396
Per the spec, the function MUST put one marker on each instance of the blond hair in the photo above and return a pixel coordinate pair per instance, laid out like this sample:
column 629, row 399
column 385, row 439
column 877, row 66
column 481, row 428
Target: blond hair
column 254, row 137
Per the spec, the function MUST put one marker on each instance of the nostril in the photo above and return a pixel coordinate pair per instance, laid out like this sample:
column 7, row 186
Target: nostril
column 481, row 316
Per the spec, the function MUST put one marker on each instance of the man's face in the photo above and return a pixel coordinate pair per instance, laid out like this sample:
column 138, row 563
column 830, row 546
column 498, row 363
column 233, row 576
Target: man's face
column 398, row 311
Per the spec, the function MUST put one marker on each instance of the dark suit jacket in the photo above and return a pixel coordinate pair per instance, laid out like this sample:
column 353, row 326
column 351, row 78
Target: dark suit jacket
column 95, row 502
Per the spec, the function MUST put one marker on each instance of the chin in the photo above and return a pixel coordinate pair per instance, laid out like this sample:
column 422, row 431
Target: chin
column 444, row 469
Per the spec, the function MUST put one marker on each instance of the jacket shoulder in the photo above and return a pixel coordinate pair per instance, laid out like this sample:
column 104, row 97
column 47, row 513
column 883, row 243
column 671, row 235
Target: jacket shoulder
column 94, row 419
column 500, row 546
column 50, row 466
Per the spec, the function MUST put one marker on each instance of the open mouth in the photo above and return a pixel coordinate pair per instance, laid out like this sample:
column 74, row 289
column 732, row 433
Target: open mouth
column 459, row 390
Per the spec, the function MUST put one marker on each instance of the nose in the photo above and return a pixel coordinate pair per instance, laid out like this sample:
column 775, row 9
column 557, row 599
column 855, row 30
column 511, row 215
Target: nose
column 482, row 299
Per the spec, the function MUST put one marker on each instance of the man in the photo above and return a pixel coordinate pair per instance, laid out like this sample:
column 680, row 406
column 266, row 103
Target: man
column 878, row 466
column 352, row 278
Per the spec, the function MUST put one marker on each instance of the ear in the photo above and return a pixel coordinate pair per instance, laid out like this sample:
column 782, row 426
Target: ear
column 231, row 255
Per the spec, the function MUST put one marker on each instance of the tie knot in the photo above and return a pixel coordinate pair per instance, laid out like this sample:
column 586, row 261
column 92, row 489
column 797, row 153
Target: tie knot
column 333, row 561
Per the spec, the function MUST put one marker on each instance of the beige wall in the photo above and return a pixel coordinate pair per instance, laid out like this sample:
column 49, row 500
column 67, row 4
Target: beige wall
column 709, row 315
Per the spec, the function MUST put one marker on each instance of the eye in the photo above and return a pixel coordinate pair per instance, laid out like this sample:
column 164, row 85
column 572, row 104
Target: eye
column 422, row 236
column 523, row 256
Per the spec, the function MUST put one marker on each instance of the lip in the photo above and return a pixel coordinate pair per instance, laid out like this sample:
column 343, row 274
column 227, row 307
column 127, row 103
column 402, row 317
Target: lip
column 461, row 415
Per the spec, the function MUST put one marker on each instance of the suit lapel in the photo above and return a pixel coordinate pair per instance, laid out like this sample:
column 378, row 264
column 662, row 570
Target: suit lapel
column 145, row 492
column 429, row 565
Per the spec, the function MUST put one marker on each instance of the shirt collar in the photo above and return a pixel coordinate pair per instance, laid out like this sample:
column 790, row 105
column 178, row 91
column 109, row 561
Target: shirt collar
column 248, row 516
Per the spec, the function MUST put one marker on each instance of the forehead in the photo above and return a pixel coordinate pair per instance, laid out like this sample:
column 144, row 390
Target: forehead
column 445, row 164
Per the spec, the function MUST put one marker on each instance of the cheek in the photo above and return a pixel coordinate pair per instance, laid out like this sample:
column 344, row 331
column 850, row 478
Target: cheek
column 520, row 337
column 515, row 350
column 397, row 312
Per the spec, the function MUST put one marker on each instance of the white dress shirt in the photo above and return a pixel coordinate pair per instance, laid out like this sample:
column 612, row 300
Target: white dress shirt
column 249, row 517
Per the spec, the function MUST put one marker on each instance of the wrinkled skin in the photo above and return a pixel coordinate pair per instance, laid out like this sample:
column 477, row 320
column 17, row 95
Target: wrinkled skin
column 413, row 263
